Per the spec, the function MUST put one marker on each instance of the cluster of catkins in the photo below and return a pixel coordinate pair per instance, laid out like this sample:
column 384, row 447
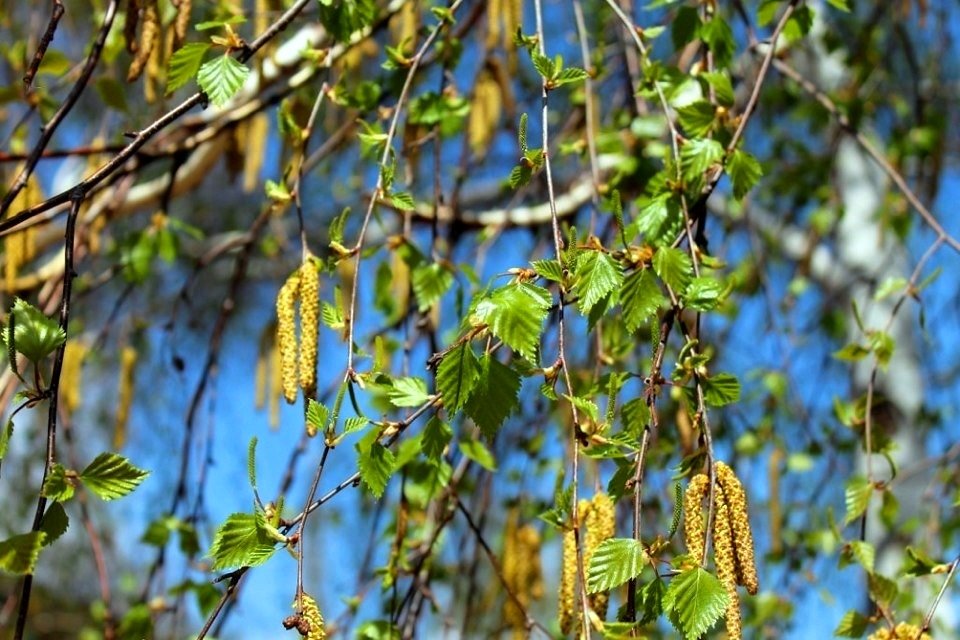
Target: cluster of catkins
column 302, row 285
column 599, row 519
column 732, row 539
column 521, row 571
column 309, row 622
column 903, row 631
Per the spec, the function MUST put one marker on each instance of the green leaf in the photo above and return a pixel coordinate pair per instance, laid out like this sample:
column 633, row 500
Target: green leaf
column 744, row 171
column 704, row 293
column 864, row 554
column 598, row 275
column 843, row 5
column 651, row 600
column 242, row 541
column 343, row 18
column 54, row 523
column 698, row 155
column 722, row 87
column 5, row 434
column 673, row 266
column 317, row 416
column 58, row 486
column 568, row 75
column 184, row 64
column 515, row 314
column 430, row 283
column 719, row 37
column 436, row 436
column 852, row 625
column 375, row 462
column 882, row 589
column 548, row 269
column 695, row 601
column 635, row 415
column 18, row 555
column 857, row 497
column 721, row 389
column 35, row 335
column 852, row 352
column 457, row 374
column 640, row 298
column 402, row 201
column 479, row 453
column 494, row 396
column 615, row 562
column 543, row 65
column 111, row 476
column 890, row 286
column 657, row 216
column 221, row 78
column 697, row 118
column 408, row 392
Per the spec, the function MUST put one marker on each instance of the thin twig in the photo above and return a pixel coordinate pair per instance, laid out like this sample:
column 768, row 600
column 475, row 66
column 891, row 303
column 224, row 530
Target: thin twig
column 45, row 41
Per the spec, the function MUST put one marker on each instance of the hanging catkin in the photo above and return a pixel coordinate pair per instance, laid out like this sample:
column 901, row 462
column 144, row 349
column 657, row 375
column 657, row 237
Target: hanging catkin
column 309, row 326
column 287, row 335
column 723, row 547
column 600, row 525
column 128, row 360
column 736, row 499
column 694, row 536
column 310, row 624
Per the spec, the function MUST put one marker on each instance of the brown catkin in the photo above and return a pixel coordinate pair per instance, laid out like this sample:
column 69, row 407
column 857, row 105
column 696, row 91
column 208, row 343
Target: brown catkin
column 694, row 535
column 601, row 525
column 736, row 499
column 149, row 34
column 309, row 326
column 287, row 335
column 182, row 22
column 568, row 583
column 311, row 620
column 726, row 563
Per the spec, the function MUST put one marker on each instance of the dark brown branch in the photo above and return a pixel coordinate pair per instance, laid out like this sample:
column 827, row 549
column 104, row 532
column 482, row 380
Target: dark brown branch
column 45, row 41
column 68, row 104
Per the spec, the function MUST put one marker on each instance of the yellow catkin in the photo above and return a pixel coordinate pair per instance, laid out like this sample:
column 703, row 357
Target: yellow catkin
column 736, row 499
column 70, row 376
column 256, row 132
column 485, row 111
column 276, row 385
column 264, row 354
column 726, row 563
column 568, row 583
column 310, row 625
column 512, row 21
column 693, row 531
column 494, row 13
column 522, row 573
column 903, row 631
column 287, row 335
column 309, row 326
column 149, row 34
column 600, row 525
column 404, row 25
column 128, row 360
column 21, row 247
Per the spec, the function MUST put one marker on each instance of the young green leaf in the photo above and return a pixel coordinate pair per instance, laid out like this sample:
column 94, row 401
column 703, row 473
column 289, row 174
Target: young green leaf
column 515, row 314
column 614, row 562
column 478, row 452
column 598, row 275
column 548, row 269
column 704, row 293
column 54, row 524
column 698, row 155
column 697, row 118
column 403, row 201
column 494, row 396
column 111, row 476
column 657, row 216
column 58, row 485
column 436, row 436
column 408, row 392
column 856, row 498
column 221, row 78
column 242, row 541
column 430, row 282
column 640, row 298
column 184, row 64
column 35, row 335
column 457, row 375
column 745, row 172
column 18, row 555
column 674, row 267
column 852, row 625
column 721, row 389
column 5, row 434
column 695, row 601
column 375, row 462
column 651, row 600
